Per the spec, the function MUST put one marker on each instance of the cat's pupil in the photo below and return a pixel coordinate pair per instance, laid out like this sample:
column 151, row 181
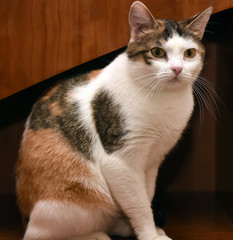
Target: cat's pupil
column 189, row 52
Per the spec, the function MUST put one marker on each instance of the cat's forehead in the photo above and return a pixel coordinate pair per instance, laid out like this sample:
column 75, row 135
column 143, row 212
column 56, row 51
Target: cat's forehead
column 177, row 43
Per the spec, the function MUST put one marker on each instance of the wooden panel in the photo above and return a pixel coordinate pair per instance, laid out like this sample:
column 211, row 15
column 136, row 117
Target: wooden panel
column 224, row 138
column 41, row 38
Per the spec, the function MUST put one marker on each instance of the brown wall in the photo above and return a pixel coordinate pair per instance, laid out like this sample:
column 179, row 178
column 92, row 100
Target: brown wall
column 41, row 38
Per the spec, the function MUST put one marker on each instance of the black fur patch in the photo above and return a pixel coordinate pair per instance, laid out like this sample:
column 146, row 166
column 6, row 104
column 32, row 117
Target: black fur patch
column 109, row 123
column 41, row 116
column 171, row 27
column 71, row 127
column 68, row 122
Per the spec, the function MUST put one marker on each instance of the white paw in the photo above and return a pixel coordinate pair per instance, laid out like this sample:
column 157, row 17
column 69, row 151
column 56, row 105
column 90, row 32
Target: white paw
column 93, row 236
column 162, row 234
column 100, row 236
column 164, row 237
column 160, row 231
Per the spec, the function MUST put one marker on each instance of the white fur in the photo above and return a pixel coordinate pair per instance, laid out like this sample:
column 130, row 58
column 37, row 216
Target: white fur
column 60, row 220
column 128, row 176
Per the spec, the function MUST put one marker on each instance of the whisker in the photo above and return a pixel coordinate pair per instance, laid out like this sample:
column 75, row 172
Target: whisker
column 210, row 87
column 149, row 85
column 206, row 100
column 206, row 95
column 208, row 90
column 200, row 104
column 144, row 76
column 153, row 91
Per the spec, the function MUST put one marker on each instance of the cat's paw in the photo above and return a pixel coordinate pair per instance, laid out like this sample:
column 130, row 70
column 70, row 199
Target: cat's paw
column 164, row 237
column 162, row 234
column 100, row 236
column 93, row 236
column 160, row 231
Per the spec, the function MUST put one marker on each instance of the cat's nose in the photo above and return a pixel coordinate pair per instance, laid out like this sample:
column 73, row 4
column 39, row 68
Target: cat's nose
column 177, row 70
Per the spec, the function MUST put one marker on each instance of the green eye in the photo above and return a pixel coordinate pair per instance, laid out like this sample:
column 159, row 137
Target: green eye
column 158, row 52
column 190, row 53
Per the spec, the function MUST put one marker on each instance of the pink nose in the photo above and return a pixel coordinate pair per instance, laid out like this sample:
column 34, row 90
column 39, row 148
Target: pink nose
column 177, row 70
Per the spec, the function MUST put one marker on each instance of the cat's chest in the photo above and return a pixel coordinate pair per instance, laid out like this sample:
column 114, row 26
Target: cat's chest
column 162, row 130
column 157, row 128
column 162, row 116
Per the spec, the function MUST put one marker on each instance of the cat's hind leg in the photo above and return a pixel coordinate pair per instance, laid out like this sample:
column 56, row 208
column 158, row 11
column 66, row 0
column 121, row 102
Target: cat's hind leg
column 54, row 220
column 122, row 228
column 93, row 236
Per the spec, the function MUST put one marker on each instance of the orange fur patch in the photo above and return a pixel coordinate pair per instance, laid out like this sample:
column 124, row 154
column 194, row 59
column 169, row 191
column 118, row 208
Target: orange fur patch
column 49, row 169
column 50, row 93
column 55, row 109
column 161, row 26
column 93, row 74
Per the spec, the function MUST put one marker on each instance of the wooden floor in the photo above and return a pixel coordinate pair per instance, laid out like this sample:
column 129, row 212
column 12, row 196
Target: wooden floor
column 188, row 217
column 202, row 219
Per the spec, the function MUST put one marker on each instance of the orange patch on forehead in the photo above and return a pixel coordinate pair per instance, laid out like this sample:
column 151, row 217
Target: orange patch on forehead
column 161, row 28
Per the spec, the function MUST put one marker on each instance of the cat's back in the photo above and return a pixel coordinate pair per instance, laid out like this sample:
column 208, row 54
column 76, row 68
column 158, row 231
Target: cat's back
column 58, row 111
column 55, row 102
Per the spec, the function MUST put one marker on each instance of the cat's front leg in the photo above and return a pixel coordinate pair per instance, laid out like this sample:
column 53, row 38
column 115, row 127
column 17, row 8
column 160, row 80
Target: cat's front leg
column 162, row 234
column 128, row 188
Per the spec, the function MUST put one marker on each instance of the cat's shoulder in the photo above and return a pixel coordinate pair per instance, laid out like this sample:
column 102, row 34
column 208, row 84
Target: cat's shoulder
column 60, row 89
column 59, row 98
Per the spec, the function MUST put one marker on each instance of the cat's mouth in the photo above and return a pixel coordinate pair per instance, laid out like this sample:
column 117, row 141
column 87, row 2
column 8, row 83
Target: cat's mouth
column 176, row 81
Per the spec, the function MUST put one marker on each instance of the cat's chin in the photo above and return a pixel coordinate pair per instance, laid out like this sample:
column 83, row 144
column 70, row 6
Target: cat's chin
column 176, row 82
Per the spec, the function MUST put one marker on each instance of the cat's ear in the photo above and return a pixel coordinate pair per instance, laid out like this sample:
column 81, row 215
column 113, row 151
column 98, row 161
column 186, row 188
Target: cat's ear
column 140, row 19
column 197, row 24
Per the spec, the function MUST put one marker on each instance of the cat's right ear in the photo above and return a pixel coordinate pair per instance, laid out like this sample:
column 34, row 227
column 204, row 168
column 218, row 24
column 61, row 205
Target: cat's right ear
column 197, row 24
column 140, row 19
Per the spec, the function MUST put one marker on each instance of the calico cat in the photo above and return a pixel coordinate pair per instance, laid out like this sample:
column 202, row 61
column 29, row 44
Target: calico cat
column 92, row 146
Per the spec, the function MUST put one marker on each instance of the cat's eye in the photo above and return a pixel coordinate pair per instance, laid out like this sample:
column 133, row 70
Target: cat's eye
column 190, row 53
column 158, row 52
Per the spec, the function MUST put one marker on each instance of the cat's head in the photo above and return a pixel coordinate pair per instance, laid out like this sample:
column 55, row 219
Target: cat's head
column 165, row 52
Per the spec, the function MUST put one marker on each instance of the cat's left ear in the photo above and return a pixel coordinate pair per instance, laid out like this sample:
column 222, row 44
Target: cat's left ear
column 140, row 19
column 197, row 24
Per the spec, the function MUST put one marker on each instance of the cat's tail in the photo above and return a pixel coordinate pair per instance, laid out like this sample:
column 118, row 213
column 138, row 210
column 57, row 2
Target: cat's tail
column 93, row 236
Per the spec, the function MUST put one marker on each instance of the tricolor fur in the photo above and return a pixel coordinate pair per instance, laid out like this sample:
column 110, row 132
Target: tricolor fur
column 93, row 144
